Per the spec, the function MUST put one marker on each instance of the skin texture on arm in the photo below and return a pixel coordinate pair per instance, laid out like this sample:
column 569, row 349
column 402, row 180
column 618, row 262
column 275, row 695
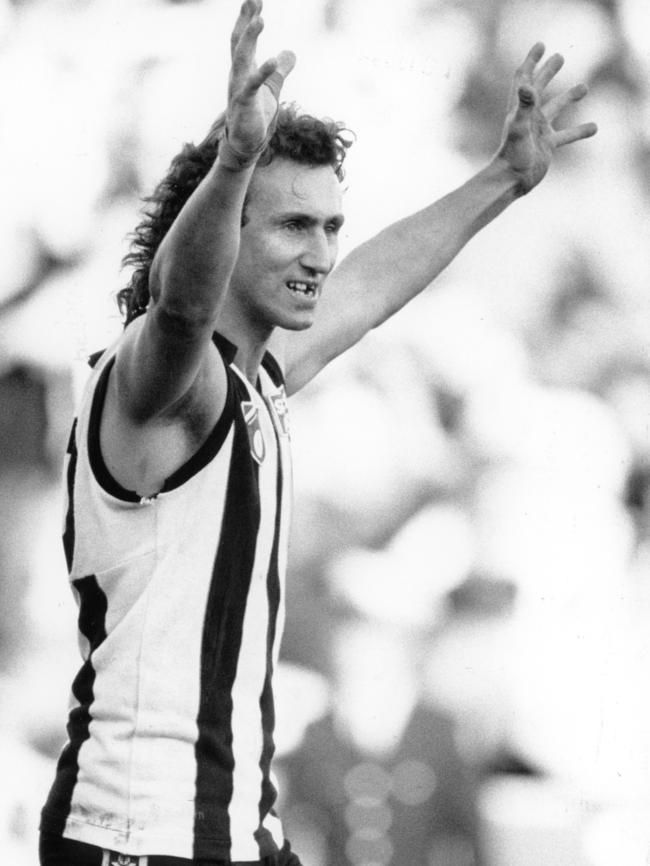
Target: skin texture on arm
column 382, row 274
column 170, row 353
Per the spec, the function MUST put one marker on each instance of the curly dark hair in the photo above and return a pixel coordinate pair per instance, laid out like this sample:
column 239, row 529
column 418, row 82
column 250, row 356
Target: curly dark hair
column 300, row 137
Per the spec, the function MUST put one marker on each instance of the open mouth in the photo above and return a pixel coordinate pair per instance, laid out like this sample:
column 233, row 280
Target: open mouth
column 304, row 289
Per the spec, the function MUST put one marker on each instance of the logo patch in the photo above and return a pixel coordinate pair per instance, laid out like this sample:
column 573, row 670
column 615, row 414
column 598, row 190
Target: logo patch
column 254, row 429
column 278, row 403
column 114, row 858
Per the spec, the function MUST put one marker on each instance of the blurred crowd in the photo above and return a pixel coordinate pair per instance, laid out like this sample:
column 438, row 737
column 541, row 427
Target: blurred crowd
column 464, row 673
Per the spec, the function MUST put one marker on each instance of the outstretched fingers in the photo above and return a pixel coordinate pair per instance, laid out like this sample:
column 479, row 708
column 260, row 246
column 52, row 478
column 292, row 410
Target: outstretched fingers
column 523, row 98
column 529, row 137
column 248, row 10
column 575, row 133
column 558, row 103
column 529, row 85
column 257, row 78
column 243, row 46
column 244, row 53
column 533, row 57
column 252, row 107
column 548, row 71
column 272, row 73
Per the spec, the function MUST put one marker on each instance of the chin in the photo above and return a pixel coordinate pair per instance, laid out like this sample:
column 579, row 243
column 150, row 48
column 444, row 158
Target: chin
column 297, row 323
column 302, row 326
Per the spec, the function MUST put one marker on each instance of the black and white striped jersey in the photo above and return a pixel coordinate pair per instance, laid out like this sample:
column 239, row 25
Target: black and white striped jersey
column 170, row 732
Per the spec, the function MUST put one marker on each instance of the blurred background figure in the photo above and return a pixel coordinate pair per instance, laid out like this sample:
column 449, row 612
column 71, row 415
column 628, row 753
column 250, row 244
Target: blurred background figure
column 465, row 667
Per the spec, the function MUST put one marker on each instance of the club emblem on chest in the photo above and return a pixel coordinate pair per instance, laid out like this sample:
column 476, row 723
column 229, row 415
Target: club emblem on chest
column 280, row 410
column 254, row 429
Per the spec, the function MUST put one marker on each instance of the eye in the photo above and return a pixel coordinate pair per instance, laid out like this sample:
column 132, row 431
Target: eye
column 294, row 225
column 333, row 228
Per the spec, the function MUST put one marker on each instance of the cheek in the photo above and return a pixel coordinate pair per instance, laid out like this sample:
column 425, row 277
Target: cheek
column 251, row 261
column 334, row 252
column 280, row 250
column 269, row 254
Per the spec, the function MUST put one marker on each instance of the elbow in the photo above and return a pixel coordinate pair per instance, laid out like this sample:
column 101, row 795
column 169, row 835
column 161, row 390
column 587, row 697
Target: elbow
column 180, row 311
column 182, row 321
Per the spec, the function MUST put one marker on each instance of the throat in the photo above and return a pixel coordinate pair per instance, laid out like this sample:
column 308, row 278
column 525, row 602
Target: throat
column 248, row 335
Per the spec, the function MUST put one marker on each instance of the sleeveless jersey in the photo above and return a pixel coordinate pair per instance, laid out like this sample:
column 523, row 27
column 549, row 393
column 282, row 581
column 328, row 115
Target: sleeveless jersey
column 170, row 732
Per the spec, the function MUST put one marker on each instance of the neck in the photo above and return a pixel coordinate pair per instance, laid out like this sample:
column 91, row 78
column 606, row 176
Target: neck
column 251, row 342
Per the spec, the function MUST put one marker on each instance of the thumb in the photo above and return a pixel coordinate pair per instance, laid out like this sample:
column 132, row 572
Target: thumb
column 525, row 101
column 285, row 62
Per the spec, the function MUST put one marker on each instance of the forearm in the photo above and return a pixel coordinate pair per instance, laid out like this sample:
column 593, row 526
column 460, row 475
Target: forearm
column 193, row 265
column 403, row 259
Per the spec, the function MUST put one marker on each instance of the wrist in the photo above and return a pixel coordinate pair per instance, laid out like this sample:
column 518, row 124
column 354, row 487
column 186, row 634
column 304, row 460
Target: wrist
column 500, row 172
column 234, row 159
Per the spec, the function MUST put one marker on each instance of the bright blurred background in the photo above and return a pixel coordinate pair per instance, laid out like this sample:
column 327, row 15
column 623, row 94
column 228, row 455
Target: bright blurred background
column 465, row 670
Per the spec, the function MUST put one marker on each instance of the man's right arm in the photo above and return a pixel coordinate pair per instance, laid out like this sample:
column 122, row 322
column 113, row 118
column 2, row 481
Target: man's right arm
column 169, row 355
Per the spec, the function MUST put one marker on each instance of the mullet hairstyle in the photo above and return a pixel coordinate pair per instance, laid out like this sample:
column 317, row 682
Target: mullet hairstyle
column 299, row 137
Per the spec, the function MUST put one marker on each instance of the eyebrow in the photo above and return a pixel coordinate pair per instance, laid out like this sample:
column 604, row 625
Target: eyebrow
column 337, row 218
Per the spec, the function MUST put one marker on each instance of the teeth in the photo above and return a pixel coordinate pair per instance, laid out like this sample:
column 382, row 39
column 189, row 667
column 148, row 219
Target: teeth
column 302, row 288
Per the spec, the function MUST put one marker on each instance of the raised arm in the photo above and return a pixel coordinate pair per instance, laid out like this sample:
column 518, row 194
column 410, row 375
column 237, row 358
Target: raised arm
column 167, row 354
column 384, row 273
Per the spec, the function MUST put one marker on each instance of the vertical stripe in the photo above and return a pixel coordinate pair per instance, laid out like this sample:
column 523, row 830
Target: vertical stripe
column 267, row 706
column 92, row 625
column 222, row 633
column 68, row 528
column 248, row 734
column 285, row 527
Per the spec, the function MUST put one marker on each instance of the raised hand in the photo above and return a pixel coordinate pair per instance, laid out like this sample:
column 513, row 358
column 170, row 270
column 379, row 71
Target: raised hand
column 529, row 137
column 253, row 92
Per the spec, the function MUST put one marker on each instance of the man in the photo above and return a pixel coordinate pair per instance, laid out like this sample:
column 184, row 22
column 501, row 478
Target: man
column 178, row 464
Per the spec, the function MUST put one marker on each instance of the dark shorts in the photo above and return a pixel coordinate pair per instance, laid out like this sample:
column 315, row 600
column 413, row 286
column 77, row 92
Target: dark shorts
column 55, row 851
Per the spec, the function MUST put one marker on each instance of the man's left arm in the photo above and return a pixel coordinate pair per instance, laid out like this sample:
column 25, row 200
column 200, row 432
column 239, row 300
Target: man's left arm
column 383, row 274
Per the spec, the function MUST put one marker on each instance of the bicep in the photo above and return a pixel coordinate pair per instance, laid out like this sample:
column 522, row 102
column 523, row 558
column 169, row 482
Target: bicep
column 162, row 360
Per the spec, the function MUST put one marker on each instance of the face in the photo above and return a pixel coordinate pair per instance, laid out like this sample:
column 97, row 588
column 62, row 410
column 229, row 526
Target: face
column 288, row 245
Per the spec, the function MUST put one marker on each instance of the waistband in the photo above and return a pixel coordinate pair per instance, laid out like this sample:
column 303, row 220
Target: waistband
column 58, row 851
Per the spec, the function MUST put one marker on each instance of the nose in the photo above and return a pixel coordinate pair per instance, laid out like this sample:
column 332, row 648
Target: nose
column 319, row 252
